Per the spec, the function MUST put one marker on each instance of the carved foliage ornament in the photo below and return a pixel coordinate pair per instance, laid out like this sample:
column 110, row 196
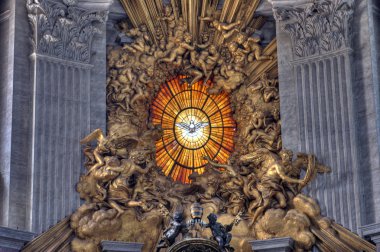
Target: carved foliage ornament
column 63, row 30
column 318, row 29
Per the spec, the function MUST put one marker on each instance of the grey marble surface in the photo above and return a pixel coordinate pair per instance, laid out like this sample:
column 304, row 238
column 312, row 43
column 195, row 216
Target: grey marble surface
column 115, row 246
column 273, row 245
column 13, row 240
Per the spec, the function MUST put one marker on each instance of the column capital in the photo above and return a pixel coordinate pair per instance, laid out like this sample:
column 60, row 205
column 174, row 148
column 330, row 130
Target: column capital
column 65, row 30
column 315, row 27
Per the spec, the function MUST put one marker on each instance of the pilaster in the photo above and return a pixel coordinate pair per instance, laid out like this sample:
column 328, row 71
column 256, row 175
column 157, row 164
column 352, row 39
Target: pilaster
column 317, row 105
column 68, row 63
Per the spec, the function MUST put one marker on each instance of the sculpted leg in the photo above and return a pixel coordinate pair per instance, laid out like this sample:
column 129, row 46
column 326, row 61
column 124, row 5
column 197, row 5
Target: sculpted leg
column 260, row 210
column 116, row 206
column 281, row 199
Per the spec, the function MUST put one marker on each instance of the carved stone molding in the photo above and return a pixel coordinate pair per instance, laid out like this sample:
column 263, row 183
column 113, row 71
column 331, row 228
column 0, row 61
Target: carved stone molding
column 319, row 28
column 4, row 16
column 63, row 30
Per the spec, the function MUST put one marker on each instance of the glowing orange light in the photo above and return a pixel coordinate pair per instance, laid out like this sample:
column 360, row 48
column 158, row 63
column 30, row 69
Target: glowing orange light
column 195, row 124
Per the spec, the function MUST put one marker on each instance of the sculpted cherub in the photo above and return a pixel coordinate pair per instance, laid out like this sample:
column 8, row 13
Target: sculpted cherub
column 177, row 227
column 176, row 55
column 102, row 147
column 220, row 26
column 230, row 181
column 267, row 87
column 204, row 186
column 228, row 79
column 141, row 42
column 180, row 29
column 169, row 18
column 236, row 202
column 113, row 85
column 272, row 175
column 120, row 194
column 302, row 162
column 251, row 44
column 203, row 64
column 221, row 233
column 239, row 56
column 140, row 88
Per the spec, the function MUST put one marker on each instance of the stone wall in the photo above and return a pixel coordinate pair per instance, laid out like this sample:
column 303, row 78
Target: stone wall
column 5, row 107
column 366, row 95
column 15, row 126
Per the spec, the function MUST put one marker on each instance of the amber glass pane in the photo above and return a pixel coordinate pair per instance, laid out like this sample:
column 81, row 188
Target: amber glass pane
column 195, row 124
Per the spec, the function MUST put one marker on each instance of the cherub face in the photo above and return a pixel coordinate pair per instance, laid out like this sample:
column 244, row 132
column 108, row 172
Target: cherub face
column 232, row 47
column 150, row 71
column 214, row 23
column 138, row 156
column 205, row 37
column 187, row 38
column 240, row 38
column 113, row 73
column 168, row 9
column 213, row 49
column 143, row 28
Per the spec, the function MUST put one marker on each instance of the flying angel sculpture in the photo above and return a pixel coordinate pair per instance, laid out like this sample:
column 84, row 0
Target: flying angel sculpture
column 191, row 127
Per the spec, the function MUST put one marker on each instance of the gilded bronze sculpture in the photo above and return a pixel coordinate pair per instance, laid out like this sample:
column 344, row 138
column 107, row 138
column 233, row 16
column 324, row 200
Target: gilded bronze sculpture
column 123, row 185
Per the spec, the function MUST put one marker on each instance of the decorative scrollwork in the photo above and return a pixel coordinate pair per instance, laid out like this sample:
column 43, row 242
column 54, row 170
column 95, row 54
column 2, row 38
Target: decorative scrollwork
column 320, row 28
column 63, row 30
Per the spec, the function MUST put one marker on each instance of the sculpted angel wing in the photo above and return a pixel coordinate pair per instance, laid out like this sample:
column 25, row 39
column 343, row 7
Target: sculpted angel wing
column 183, row 125
column 200, row 125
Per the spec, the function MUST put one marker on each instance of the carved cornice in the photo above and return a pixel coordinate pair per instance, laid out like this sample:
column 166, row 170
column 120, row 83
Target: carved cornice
column 317, row 29
column 63, row 30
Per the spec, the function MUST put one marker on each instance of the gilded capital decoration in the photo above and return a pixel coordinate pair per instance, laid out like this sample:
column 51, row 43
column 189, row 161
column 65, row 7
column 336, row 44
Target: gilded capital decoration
column 318, row 28
column 63, row 30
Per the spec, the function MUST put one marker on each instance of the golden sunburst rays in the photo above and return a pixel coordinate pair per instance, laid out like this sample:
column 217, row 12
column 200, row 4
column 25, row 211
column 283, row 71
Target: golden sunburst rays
column 195, row 124
column 148, row 12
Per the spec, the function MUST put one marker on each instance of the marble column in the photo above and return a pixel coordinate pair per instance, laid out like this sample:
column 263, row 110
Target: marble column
column 68, row 75
column 316, row 69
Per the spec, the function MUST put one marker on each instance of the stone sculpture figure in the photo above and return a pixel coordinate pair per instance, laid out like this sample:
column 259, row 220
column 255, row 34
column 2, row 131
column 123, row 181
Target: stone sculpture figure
column 169, row 18
column 177, row 227
column 273, row 174
column 102, row 147
column 176, row 55
column 220, row 26
column 221, row 233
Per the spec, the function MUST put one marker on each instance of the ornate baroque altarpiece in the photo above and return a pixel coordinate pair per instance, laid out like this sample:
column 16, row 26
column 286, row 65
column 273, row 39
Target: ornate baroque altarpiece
column 193, row 116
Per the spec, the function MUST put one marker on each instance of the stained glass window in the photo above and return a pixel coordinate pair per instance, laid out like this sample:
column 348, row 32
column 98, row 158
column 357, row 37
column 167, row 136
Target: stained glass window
column 195, row 124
